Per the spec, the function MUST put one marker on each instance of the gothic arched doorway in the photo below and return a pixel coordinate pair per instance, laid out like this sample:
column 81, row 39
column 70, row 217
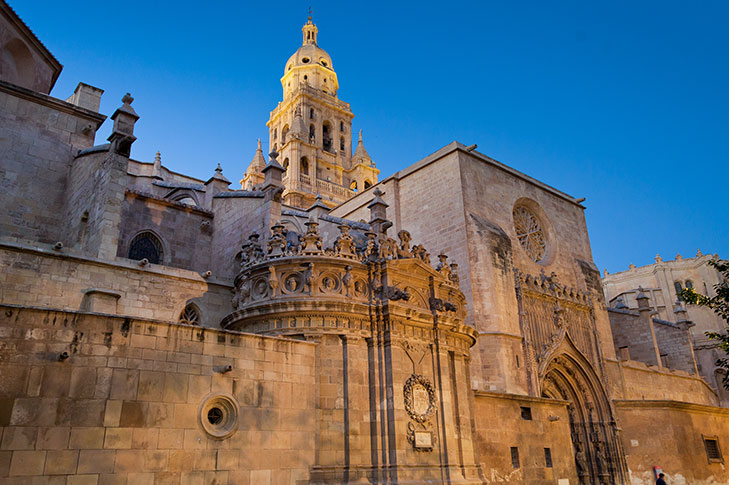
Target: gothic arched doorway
column 598, row 454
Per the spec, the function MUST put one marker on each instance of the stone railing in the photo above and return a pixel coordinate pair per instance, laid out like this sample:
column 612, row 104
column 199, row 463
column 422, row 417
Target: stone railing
column 305, row 179
column 334, row 188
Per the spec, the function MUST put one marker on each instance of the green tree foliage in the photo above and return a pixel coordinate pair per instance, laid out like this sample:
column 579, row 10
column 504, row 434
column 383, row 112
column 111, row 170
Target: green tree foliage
column 720, row 305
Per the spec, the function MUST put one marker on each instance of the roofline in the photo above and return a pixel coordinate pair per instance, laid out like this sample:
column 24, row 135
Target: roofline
column 51, row 102
column 30, row 35
column 456, row 146
column 653, row 267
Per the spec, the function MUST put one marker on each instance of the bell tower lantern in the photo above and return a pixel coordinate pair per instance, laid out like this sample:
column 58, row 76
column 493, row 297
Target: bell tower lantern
column 311, row 129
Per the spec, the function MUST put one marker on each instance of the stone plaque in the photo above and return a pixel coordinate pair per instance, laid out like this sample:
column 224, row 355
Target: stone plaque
column 423, row 439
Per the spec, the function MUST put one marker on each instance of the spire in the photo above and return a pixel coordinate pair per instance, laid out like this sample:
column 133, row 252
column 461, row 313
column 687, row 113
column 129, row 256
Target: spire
column 219, row 174
column 258, row 161
column 157, row 166
column 298, row 128
column 360, row 154
column 309, row 31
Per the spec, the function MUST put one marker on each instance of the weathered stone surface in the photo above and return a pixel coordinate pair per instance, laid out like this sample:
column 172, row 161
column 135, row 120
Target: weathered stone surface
column 445, row 326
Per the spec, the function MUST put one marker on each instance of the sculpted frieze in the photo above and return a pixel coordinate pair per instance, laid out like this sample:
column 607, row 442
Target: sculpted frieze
column 289, row 288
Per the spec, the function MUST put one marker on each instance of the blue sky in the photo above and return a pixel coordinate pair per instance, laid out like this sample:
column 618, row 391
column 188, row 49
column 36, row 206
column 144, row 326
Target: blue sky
column 624, row 103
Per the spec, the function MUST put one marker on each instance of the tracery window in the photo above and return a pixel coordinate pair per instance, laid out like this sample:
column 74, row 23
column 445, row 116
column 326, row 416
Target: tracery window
column 530, row 233
column 146, row 245
column 190, row 315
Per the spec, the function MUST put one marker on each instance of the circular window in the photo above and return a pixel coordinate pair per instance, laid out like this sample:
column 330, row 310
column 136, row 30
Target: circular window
column 305, row 60
column 530, row 233
column 219, row 415
column 324, row 63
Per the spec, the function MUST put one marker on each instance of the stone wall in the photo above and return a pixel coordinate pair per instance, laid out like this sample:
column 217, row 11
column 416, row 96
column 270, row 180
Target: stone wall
column 636, row 333
column 39, row 136
column 235, row 219
column 651, row 341
column 23, row 59
column 634, row 380
column 675, row 346
column 669, row 434
column 185, row 232
column 500, row 426
column 125, row 406
column 46, row 278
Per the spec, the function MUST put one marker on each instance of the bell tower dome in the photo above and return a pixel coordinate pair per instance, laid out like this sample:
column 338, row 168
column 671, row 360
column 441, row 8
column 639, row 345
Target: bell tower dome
column 310, row 65
column 311, row 129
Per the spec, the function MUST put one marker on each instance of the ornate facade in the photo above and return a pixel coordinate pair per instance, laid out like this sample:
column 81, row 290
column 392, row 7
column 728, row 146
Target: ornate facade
column 316, row 325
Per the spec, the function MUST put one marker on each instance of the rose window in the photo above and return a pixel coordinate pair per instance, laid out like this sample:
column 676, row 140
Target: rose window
column 530, row 233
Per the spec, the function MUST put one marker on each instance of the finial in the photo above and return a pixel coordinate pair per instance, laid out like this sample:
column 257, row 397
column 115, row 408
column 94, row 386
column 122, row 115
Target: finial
column 632, row 266
column 659, row 259
column 360, row 135
column 259, row 145
column 310, row 13
column 127, row 99
column 679, row 257
column 318, row 197
column 605, row 272
column 219, row 169
column 699, row 253
column 157, row 157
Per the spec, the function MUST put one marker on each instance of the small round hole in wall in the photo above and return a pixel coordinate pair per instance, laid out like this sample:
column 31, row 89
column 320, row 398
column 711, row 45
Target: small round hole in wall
column 219, row 415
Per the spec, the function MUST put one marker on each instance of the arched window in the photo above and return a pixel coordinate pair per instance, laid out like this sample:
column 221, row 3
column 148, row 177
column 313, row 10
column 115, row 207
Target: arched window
column 284, row 132
column 312, row 134
column 275, row 134
column 678, row 288
column 341, row 144
column 311, row 113
column 286, row 164
column 353, row 185
column 16, row 57
column 689, row 284
column 341, row 126
column 187, row 200
column 367, row 184
column 146, row 245
column 190, row 315
column 326, row 130
column 304, row 166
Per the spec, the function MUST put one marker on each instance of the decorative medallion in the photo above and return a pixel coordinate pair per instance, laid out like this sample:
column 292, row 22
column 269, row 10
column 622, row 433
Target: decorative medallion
column 330, row 283
column 260, row 288
column 293, row 283
column 530, row 233
column 419, row 398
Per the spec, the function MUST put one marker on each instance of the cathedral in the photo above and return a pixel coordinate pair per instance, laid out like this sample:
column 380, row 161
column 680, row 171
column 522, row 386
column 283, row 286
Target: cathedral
column 314, row 323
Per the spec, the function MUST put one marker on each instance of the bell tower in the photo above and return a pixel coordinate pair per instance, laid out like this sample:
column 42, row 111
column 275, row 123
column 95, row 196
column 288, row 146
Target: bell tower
column 311, row 129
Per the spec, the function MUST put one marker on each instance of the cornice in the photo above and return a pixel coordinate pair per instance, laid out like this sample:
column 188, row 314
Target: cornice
column 51, row 102
column 674, row 405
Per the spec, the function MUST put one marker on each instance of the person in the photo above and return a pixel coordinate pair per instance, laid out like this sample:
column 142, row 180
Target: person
column 660, row 480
